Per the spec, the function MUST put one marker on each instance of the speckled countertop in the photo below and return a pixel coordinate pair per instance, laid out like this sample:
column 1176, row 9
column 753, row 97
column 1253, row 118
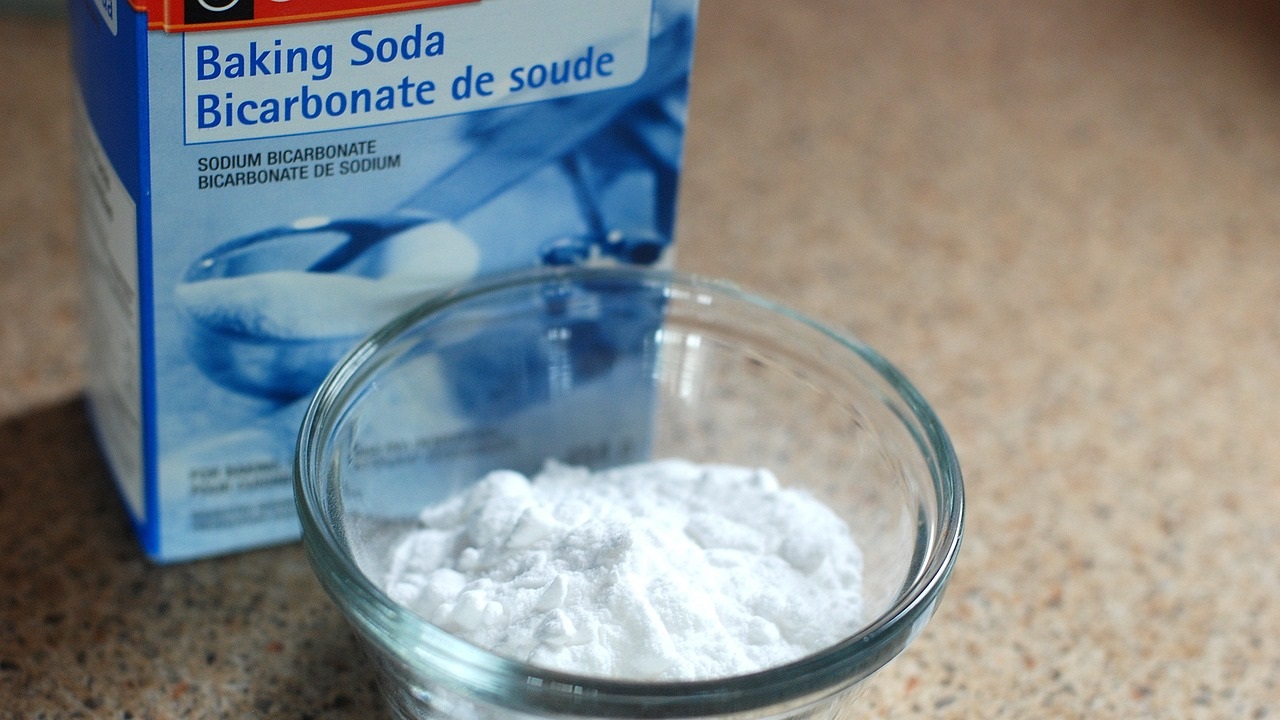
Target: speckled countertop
column 1061, row 219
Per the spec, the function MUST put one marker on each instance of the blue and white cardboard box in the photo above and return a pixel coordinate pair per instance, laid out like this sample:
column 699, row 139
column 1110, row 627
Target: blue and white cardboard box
column 263, row 183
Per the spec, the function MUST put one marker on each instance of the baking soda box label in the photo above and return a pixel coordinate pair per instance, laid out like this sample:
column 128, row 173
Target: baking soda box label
column 265, row 182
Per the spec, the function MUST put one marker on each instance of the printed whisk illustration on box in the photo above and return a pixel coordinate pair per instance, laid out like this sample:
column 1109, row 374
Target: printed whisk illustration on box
column 265, row 182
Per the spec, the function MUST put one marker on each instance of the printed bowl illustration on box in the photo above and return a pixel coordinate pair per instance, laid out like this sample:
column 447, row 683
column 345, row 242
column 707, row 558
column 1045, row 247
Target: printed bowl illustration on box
column 605, row 368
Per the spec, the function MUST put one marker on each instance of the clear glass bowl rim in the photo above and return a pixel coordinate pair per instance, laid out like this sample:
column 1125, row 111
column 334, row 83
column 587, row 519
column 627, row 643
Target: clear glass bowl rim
column 488, row 677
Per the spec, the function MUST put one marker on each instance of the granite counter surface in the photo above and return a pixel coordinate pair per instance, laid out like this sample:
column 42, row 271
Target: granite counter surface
column 1061, row 219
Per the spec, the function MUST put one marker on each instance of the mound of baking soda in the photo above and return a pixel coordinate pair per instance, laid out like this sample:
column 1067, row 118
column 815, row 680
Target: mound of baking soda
column 666, row 570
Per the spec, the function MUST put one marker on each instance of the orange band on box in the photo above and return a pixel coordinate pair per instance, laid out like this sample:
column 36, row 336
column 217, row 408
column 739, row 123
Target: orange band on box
column 188, row 15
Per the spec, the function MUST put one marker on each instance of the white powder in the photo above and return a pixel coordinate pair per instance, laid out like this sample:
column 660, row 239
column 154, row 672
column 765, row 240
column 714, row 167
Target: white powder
column 664, row 570
column 296, row 305
column 408, row 268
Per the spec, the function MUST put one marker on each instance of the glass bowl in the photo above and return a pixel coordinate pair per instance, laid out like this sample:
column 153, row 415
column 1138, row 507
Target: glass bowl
column 603, row 367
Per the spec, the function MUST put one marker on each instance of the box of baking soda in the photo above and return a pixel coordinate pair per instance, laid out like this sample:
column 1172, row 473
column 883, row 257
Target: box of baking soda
column 264, row 182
